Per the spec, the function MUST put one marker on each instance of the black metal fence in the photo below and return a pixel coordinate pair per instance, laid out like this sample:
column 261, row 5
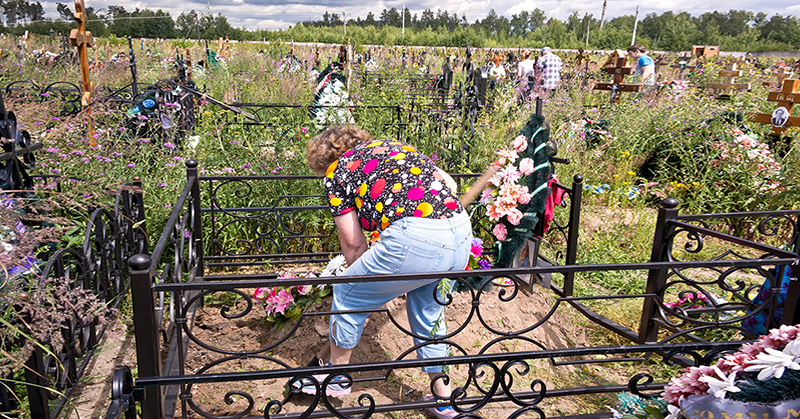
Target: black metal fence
column 112, row 236
column 191, row 292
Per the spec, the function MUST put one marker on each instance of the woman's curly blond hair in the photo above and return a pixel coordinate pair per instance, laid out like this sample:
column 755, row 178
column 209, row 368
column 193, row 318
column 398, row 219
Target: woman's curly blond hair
column 328, row 146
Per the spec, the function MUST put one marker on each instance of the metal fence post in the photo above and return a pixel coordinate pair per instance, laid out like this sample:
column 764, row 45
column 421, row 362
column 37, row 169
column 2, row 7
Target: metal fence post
column 656, row 278
column 572, row 234
column 197, row 218
column 35, row 376
column 791, row 313
column 138, row 202
column 148, row 344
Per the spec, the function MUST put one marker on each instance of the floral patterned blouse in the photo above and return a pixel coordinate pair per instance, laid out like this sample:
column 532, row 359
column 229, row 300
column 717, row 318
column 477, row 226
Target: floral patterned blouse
column 386, row 180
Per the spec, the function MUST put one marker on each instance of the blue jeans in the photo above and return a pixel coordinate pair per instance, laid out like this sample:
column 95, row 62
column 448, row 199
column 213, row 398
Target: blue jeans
column 408, row 245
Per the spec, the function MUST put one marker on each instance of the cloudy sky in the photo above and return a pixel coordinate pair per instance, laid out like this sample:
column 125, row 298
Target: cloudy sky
column 274, row 14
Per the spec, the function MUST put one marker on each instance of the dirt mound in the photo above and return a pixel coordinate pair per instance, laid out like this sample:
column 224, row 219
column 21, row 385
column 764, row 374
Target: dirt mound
column 381, row 341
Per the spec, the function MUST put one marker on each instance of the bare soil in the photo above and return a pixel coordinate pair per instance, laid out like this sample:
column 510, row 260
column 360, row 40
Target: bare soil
column 381, row 341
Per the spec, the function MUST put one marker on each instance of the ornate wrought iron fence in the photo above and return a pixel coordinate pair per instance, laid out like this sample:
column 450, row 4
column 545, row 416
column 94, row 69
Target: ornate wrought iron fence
column 169, row 286
column 112, row 236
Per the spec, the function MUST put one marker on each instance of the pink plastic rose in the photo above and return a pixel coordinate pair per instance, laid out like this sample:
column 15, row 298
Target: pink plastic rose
column 514, row 216
column 304, row 289
column 500, row 232
column 526, row 166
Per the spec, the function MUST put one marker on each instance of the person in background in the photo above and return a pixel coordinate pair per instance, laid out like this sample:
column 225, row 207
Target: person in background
column 645, row 69
column 551, row 66
column 525, row 75
column 496, row 70
column 389, row 186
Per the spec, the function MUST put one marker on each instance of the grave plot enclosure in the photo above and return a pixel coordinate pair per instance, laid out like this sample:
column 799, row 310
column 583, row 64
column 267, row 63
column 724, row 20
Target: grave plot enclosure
column 205, row 350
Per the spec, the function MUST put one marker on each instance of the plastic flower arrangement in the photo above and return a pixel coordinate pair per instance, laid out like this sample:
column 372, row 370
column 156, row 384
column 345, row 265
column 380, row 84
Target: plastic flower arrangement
column 284, row 304
column 507, row 189
column 762, row 378
column 744, row 156
column 695, row 300
column 631, row 406
column 476, row 260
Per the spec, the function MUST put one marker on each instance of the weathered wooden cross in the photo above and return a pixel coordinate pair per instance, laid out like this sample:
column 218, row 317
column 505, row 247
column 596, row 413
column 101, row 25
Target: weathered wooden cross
column 82, row 39
column 781, row 118
column 619, row 72
column 683, row 65
column 783, row 73
column 729, row 74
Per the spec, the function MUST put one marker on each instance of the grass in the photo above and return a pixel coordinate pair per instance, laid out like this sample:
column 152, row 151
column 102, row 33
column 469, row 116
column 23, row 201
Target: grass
column 679, row 129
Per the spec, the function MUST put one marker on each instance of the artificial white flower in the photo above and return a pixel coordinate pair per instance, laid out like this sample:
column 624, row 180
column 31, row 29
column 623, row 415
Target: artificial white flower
column 674, row 411
column 722, row 385
column 335, row 267
column 614, row 412
column 773, row 363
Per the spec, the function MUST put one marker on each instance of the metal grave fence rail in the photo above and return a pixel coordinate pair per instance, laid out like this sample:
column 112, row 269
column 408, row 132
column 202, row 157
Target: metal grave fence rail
column 170, row 287
column 112, row 235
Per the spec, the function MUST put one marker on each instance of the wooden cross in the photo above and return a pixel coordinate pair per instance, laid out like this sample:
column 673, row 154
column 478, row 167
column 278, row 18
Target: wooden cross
column 82, row 39
column 188, row 64
column 782, row 117
column 783, row 73
column 227, row 49
column 619, row 72
column 683, row 65
column 729, row 74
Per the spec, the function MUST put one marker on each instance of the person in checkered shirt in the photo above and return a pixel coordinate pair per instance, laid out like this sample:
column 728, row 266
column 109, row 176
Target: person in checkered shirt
column 550, row 65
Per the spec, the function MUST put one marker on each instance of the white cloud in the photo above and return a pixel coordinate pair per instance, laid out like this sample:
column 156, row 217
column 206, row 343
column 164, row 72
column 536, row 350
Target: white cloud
column 275, row 14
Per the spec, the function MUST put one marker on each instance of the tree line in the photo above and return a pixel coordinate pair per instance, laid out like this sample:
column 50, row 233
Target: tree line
column 735, row 30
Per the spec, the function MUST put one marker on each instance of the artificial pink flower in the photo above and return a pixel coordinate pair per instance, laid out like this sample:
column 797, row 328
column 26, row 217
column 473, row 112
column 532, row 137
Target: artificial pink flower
column 509, row 193
column 524, row 196
column 304, row 289
column 500, row 232
column 510, row 174
column 476, row 248
column 487, row 195
column 520, row 144
column 260, row 294
column 506, row 156
column 493, row 213
column 526, row 166
column 282, row 300
column 514, row 216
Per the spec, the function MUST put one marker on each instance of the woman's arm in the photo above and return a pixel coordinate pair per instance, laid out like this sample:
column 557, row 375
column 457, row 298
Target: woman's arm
column 351, row 237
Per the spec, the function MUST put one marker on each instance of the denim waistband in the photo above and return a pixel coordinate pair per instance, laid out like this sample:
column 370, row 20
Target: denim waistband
column 452, row 223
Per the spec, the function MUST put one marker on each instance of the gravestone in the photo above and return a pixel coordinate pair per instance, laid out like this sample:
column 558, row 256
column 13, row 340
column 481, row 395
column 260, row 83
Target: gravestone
column 619, row 72
column 683, row 65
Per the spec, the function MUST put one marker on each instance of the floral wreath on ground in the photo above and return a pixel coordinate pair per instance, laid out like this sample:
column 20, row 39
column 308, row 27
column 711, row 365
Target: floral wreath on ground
column 284, row 304
column 762, row 379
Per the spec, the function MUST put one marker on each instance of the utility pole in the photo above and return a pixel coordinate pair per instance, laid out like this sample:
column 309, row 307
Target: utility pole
column 635, row 23
column 404, row 19
column 344, row 19
column 588, row 21
column 603, row 15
